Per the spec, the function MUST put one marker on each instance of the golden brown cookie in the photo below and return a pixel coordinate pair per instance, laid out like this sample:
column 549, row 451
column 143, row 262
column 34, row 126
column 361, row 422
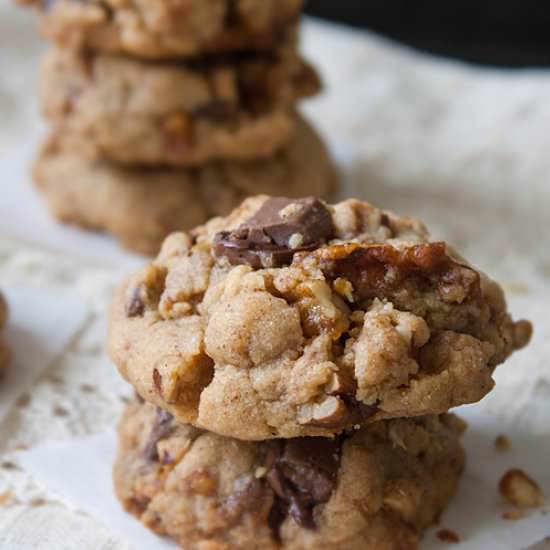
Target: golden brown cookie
column 134, row 112
column 142, row 206
column 377, row 488
column 168, row 28
column 296, row 318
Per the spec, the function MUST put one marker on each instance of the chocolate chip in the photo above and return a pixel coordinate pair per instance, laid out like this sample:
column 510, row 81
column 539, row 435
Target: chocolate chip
column 218, row 110
column 135, row 306
column 157, row 380
column 161, row 429
column 281, row 228
column 302, row 473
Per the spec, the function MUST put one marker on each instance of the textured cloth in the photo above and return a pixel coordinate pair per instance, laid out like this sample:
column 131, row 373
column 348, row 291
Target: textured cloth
column 463, row 149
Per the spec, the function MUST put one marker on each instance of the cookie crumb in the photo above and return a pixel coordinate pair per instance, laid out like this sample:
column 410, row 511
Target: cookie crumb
column 60, row 411
column 344, row 288
column 23, row 401
column 518, row 489
column 502, row 443
column 290, row 210
column 296, row 240
column 448, row 536
column 5, row 497
column 513, row 515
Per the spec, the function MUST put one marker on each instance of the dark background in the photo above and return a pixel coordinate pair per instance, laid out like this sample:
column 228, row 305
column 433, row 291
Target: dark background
column 513, row 33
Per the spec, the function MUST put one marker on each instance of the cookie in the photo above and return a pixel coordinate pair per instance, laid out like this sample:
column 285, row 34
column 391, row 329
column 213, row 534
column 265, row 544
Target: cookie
column 142, row 206
column 293, row 318
column 168, row 29
column 377, row 488
column 4, row 350
column 129, row 111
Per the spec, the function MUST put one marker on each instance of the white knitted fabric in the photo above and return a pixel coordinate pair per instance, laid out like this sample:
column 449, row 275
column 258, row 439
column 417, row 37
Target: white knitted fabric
column 464, row 149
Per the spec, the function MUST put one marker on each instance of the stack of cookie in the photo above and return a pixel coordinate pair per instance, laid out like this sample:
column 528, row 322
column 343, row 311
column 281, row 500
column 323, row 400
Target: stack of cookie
column 4, row 350
column 166, row 113
column 295, row 363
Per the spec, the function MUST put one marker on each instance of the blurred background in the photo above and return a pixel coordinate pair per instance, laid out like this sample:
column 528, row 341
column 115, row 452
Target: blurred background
column 417, row 132
column 495, row 32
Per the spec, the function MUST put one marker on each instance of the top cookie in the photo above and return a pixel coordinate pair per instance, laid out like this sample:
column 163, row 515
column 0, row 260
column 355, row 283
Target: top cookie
column 168, row 28
column 293, row 318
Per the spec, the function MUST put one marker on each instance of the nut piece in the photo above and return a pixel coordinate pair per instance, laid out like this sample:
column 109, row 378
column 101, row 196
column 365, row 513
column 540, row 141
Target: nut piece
column 513, row 515
column 518, row 489
column 502, row 443
column 329, row 413
column 448, row 536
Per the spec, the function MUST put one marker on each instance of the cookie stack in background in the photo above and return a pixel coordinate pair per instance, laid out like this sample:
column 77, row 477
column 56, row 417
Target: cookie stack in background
column 295, row 364
column 166, row 113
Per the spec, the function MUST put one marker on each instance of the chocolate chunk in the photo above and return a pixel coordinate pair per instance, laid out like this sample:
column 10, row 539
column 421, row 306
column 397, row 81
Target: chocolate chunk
column 217, row 110
column 161, row 429
column 254, row 496
column 157, row 380
column 302, row 473
column 135, row 306
column 281, row 228
column 367, row 411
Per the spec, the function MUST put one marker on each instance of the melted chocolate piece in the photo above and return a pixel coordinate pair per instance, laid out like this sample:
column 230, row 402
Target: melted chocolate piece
column 281, row 228
column 135, row 306
column 219, row 110
column 161, row 429
column 302, row 473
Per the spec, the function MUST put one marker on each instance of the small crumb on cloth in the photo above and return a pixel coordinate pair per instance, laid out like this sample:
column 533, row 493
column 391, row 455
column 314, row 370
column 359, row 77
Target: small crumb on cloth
column 5, row 497
column 513, row 515
column 448, row 536
column 518, row 489
column 502, row 443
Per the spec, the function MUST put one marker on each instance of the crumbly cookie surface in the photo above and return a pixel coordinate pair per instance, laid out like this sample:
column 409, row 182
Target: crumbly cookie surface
column 376, row 488
column 167, row 29
column 129, row 111
column 291, row 318
column 4, row 350
column 142, row 206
